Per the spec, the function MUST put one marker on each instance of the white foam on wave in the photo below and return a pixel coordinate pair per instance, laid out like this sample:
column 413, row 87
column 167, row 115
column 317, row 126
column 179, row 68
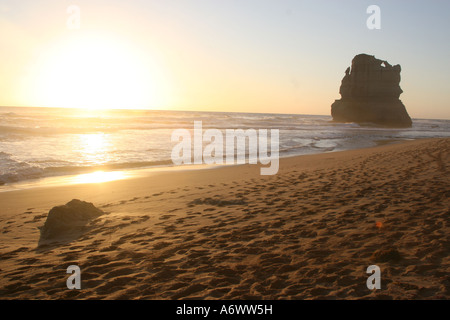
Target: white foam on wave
column 42, row 142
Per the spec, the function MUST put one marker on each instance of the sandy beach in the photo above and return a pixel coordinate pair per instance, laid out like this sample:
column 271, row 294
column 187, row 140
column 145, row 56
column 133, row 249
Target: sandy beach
column 308, row 232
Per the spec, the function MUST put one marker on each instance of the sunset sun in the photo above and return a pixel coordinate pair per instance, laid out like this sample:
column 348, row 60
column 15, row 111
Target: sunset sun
column 98, row 72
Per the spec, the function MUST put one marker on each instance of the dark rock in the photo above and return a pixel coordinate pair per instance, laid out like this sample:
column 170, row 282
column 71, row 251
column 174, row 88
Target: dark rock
column 370, row 92
column 68, row 218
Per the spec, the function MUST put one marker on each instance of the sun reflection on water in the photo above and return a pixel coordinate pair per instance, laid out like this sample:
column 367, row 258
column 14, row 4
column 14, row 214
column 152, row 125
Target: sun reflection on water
column 95, row 147
column 99, row 177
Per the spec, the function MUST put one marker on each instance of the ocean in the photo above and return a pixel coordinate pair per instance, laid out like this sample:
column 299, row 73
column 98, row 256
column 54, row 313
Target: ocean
column 37, row 143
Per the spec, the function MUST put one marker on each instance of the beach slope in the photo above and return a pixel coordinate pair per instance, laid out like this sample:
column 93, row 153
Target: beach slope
column 308, row 232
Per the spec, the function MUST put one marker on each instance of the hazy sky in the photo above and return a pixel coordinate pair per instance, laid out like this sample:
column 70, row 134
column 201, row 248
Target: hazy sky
column 219, row 55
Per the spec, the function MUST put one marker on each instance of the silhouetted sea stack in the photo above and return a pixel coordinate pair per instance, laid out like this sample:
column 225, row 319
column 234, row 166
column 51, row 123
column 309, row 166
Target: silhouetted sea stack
column 370, row 92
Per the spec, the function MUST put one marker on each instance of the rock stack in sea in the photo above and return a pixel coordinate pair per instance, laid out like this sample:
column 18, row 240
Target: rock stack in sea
column 370, row 92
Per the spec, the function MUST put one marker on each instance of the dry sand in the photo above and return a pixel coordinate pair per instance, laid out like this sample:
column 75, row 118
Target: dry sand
column 309, row 232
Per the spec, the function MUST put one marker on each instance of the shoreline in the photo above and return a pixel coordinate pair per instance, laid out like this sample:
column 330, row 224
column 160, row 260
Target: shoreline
column 308, row 232
column 168, row 178
column 131, row 173
column 69, row 181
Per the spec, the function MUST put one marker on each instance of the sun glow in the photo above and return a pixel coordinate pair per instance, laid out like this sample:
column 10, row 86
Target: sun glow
column 95, row 147
column 99, row 72
column 99, row 177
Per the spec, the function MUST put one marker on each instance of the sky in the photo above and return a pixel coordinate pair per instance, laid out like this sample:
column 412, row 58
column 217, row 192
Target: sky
column 263, row 56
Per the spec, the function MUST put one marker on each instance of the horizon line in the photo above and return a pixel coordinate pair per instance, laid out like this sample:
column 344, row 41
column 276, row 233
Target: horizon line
column 173, row 110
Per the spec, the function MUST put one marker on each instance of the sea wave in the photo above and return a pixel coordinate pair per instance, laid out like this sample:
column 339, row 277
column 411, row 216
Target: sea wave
column 24, row 171
column 42, row 142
